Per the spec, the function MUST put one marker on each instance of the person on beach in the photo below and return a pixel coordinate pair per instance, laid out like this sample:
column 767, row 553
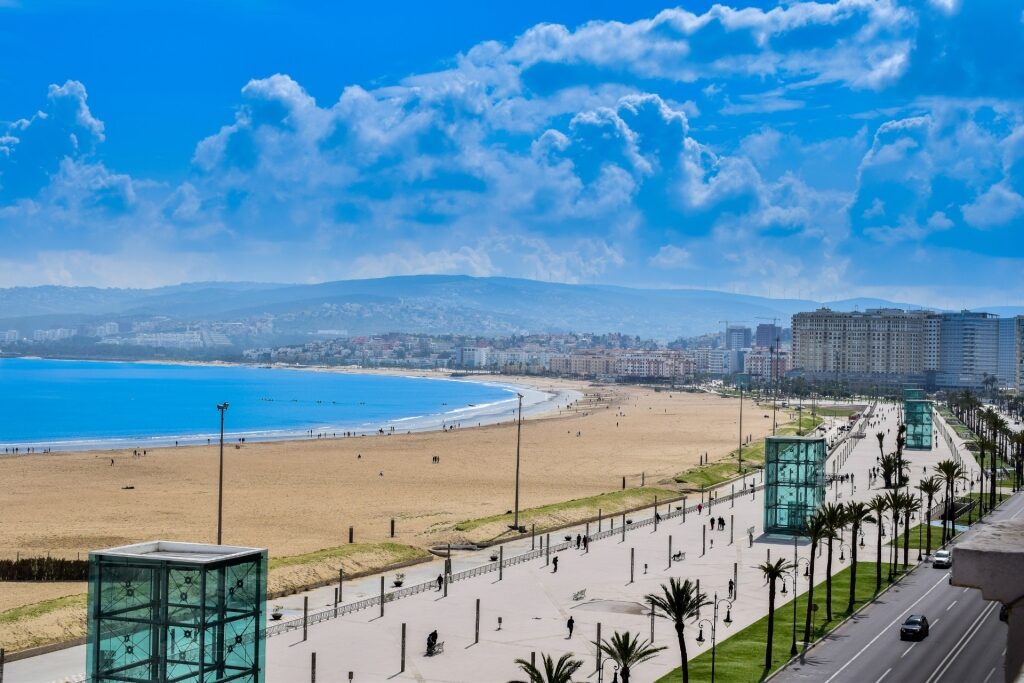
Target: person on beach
column 569, row 625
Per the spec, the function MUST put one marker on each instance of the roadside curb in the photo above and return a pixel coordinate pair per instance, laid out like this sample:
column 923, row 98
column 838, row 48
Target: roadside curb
column 857, row 611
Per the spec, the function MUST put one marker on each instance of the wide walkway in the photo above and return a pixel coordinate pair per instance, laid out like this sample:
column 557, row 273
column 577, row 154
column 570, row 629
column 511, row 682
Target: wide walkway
column 527, row 609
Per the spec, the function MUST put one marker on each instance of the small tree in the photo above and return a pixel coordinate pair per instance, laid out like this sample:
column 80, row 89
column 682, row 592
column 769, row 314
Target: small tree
column 679, row 602
column 627, row 651
column 773, row 571
column 552, row 672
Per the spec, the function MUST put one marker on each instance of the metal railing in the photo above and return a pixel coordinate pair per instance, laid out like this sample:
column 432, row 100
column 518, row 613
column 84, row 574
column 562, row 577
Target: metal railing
column 487, row 568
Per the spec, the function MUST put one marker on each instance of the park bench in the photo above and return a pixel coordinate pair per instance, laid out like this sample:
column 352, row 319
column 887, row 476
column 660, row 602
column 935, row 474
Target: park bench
column 438, row 649
column 579, row 595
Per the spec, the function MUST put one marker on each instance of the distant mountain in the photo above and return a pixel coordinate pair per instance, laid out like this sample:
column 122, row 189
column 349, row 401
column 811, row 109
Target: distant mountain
column 427, row 303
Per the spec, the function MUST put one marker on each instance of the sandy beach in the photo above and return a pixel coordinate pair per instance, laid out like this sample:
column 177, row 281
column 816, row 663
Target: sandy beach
column 298, row 496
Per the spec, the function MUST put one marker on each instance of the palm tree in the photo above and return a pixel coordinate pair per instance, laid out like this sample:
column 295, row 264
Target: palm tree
column 950, row 471
column 901, row 441
column 835, row 519
column 680, row 601
column 894, row 502
column 773, row 571
column 910, row 506
column 929, row 487
column 857, row 514
column 816, row 529
column 879, row 505
column 627, row 651
column 553, row 672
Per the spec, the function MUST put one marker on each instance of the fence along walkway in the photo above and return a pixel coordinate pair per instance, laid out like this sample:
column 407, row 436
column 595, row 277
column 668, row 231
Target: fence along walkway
column 404, row 592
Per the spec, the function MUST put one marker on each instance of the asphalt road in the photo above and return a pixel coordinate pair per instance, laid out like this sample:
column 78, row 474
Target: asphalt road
column 966, row 643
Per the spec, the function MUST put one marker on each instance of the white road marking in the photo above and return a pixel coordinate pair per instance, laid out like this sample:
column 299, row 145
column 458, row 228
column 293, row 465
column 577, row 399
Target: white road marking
column 966, row 589
column 934, row 623
column 989, row 675
column 883, row 675
column 960, row 644
column 951, row 605
column 883, row 631
column 907, row 650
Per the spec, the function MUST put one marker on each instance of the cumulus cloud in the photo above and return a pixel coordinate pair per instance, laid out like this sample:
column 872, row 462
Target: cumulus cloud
column 568, row 153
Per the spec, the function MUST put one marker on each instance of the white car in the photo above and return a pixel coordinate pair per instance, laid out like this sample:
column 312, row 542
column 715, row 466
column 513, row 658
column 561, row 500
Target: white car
column 943, row 559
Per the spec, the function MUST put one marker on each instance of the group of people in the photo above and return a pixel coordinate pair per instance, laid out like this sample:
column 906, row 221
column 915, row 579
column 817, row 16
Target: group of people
column 720, row 522
column 584, row 540
column 431, row 642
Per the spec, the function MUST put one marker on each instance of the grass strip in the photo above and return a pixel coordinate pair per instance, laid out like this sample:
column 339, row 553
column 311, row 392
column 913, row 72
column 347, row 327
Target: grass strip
column 39, row 609
column 740, row 656
column 579, row 508
column 753, row 454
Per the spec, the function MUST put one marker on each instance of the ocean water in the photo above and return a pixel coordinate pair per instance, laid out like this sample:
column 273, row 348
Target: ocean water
column 84, row 404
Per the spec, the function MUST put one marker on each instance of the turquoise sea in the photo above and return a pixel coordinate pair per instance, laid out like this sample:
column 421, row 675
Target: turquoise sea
column 84, row 404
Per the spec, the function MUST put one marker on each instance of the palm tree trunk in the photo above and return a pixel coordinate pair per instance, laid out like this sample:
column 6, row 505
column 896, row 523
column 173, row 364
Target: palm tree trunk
column 878, row 557
column 928, row 529
column 682, row 652
column 906, row 537
column 828, row 582
column 810, row 595
column 853, row 566
column 771, row 624
column 625, row 674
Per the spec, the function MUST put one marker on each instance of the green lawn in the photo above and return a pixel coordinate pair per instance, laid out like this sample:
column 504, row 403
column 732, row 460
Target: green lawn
column 726, row 468
column 390, row 553
column 740, row 656
column 937, row 530
column 608, row 503
column 716, row 473
column 39, row 609
column 835, row 411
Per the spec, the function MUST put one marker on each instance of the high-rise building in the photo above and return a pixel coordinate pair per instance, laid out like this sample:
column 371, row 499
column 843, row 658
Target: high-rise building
column 886, row 345
column 768, row 335
column 1006, row 354
column 1019, row 340
column 737, row 337
column 968, row 349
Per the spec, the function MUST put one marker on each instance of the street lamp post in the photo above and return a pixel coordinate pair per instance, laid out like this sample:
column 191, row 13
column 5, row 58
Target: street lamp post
column 713, row 624
column 739, row 468
column 519, row 436
column 222, row 407
column 796, row 574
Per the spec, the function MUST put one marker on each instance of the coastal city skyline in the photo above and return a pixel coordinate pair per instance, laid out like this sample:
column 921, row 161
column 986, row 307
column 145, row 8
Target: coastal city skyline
column 839, row 150
column 645, row 342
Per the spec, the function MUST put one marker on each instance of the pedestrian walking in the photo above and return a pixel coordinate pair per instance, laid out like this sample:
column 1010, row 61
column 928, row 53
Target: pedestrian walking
column 569, row 625
column 732, row 587
column 578, row 540
column 554, row 563
column 712, row 524
column 586, row 542
column 440, row 582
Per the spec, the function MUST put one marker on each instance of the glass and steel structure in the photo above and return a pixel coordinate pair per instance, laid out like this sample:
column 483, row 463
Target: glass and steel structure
column 794, row 476
column 176, row 612
column 917, row 415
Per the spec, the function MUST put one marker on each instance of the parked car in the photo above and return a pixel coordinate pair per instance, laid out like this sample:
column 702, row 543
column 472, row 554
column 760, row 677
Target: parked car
column 914, row 628
column 943, row 559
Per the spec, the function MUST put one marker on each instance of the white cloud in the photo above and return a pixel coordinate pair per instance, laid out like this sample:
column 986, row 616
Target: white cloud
column 997, row 206
column 671, row 256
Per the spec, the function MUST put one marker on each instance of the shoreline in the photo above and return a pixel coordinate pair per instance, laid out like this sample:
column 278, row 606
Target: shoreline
column 537, row 402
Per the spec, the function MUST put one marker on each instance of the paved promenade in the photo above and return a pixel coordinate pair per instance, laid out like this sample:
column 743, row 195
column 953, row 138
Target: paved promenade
column 533, row 602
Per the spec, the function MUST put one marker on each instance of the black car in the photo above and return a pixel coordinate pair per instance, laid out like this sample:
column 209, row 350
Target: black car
column 914, row 628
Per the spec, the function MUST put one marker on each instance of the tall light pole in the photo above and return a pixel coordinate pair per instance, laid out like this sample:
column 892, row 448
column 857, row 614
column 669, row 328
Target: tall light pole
column 519, row 436
column 714, row 627
column 739, row 468
column 222, row 407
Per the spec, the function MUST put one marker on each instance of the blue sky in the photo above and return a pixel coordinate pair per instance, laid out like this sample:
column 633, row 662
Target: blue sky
column 821, row 150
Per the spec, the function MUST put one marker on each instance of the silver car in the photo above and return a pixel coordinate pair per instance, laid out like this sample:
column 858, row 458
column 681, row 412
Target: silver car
column 943, row 559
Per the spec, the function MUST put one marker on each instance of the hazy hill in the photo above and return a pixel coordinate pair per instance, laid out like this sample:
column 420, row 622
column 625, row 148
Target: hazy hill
column 427, row 303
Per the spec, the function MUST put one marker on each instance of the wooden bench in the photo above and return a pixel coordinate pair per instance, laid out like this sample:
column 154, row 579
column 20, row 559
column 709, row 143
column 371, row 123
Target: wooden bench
column 438, row 649
column 579, row 595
